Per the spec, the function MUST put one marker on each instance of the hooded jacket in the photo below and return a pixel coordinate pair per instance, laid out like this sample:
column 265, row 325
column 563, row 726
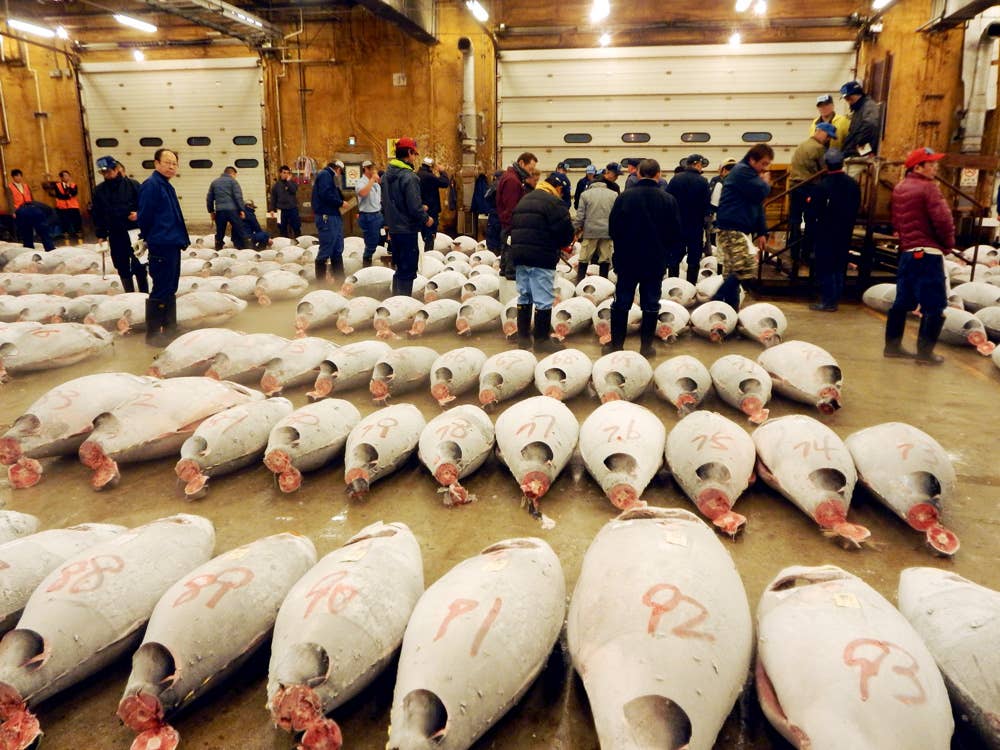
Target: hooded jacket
column 920, row 214
column 540, row 228
column 740, row 207
column 401, row 204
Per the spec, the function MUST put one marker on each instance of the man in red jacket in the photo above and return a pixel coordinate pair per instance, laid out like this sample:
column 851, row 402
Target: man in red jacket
column 510, row 190
column 926, row 232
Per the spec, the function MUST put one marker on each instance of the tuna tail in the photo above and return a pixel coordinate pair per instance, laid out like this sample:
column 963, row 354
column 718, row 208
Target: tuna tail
column 323, row 735
column 164, row 737
column 20, row 728
column 656, row 721
column 941, row 540
column 357, row 489
column 27, row 472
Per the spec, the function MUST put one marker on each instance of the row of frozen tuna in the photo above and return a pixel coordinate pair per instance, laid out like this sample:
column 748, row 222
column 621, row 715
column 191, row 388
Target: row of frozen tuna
column 658, row 627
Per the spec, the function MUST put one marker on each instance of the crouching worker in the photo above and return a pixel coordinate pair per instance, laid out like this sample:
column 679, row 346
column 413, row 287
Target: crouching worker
column 258, row 236
column 540, row 229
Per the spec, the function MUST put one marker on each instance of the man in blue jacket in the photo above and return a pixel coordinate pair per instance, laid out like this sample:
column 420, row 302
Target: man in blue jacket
column 162, row 225
column 694, row 201
column 405, row 214
column 326, row 202
column 740, row 220
column 225, row 206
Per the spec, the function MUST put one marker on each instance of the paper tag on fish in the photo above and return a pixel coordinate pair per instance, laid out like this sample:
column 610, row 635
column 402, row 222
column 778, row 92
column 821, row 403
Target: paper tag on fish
column 356, row 551
column 675, row 536
column 846, row 599
column 236, row 554
column 496, row 561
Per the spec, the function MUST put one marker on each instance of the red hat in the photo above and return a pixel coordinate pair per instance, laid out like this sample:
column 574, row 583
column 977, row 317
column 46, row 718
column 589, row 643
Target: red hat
column 920, row 155
column 406, row 143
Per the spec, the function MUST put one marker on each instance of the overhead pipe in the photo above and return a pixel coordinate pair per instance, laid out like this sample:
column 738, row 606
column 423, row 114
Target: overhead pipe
column 468, row 126
column 979, row 77
column 40, row 114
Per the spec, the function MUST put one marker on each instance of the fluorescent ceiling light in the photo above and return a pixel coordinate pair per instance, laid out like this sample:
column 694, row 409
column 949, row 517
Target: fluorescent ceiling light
column 30, row 28
column 478, row 11
column 736, row 39
column 135, row 23
column 138, row 55
column 61, row 32
column 742, row 6
column 760, row 8
column 605, row 39
column 600, row 10
column 880, row 4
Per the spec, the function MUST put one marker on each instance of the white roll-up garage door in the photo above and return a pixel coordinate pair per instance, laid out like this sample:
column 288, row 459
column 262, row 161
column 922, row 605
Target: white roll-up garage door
column 208, row 110
column 605, row 104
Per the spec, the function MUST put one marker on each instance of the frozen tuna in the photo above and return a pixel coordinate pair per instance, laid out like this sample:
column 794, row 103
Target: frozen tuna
column 910, row 473
column 121, row 313
column 678, row 290
column 401, row 370
column 762, row 322
column 393, row 315
column 191, row 353
column 562, row 375
column 682, row 381
column 976, row 295
column 51, row 346
column 714, row 320
column 296, row 364
column 622, row 447
column 182, row 656
column 202, row 309
column 228, row 441
column 742, row 384
column 712, row 459
column 14, row 525
column 276, row 285
column 243, row 358
column 880, row 297
column 478, row 313
column 596, row 289
column 339, row 627
column 358, row 314
column 379, row 444
column 571, row 316
column 965, row 329
column 659, row 629
column 455, row 372
column 838, row 666
column 672, row 320
column 318, row 309
column 374, row 281
column 454, row 445
column 435, row 317
column 444, row 285
column 492, row 620
column 804, row 372
column 623, row 375
column 505, row 375
column 959, row 621
column 485, row 284
column 805, row 461
column 601, row 320
column 348, row 366
column 308, row 438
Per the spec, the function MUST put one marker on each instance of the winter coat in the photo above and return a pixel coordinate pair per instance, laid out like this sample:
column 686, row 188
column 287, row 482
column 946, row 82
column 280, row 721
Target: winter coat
column 645, row 226
column 540, row 229
column 581, row 185
column 920, row 214
column 401, row 204
column 565, row 187
column 740, row 207
column 283, row 195
column 841, row 122
column 807, row 160
column 834, row 205
column 693, row 197
column 114, row 200
column 224, row 194
column 430, row 187
column 326, row 196
column 866, row 126
column 510, row 190
column 160, row 217
column 593, row 212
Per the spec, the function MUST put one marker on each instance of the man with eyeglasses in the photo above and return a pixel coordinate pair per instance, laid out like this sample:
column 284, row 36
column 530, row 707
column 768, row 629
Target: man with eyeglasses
column 162, row 225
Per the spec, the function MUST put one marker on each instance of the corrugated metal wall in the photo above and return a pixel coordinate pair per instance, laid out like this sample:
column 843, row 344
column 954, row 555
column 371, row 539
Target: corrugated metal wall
column 613, row 98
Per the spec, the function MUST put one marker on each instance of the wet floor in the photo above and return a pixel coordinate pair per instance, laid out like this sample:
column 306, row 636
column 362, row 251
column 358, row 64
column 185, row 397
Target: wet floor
column 955, row 403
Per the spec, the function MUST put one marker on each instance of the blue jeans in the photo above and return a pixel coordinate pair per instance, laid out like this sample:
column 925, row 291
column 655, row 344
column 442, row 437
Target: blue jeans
column 239, row 236
column 406, row 255
column 165, row 269
column 371, row 225
column 535, row 286
column 649, row 292
column 290, row 219
column 331, row 236
column 921, row 280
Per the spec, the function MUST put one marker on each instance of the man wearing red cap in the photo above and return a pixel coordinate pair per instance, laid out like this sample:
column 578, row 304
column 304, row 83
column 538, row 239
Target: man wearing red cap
column 926, row 232
column 405, row 214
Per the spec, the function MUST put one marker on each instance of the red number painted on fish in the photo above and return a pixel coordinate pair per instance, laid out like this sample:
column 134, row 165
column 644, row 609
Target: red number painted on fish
column 718, row 441
column 65, row 395
column 458, row 429
column 84, row 576
column 331, row 589
column 385, row 424
column 304, row 418
column 630, row 433
column 227, row 418
column 686, row 629
column 145, row 399
column 806, row 446
column 226, row 581
column 870, row 668
column 43, row 332
column 529, row 427
column 461, row 607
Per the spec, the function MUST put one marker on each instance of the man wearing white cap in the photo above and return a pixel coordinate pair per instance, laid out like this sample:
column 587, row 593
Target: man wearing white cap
column 432, row 179
column 369, row 187
column 326, row 202
column 828, row 113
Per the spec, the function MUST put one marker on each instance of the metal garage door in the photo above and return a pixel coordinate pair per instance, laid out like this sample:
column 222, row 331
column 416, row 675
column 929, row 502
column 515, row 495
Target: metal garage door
column 605, row 104
column 208, row 110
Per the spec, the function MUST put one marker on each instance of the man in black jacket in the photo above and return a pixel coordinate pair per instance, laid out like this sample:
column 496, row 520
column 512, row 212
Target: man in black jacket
column 694, row 202
column 283, row 199
column 405, row 214
column 116, row 203
column 865, row 130
column 645, row 226
column 833, row 210
column 432, row 179
column 540, row 229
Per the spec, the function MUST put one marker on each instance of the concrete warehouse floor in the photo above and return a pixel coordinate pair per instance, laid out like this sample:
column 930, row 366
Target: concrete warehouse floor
column 955, row 403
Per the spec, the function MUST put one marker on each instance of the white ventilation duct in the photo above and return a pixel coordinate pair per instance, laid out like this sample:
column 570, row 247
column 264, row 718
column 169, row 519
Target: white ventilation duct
column 979, row 76
column 468, row 123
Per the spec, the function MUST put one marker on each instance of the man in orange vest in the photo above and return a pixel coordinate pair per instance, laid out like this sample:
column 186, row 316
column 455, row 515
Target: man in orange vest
column 68, row 206
column 20, row 192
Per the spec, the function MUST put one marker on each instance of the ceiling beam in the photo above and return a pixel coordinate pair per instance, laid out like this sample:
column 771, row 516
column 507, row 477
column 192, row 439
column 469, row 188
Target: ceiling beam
column 947, row 14
column 415, row 17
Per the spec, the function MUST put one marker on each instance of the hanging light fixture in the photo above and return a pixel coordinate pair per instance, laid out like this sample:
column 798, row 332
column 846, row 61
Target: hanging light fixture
column 605, row 39
column 61, row 32
column 30, row 28
column 135, row 23
column 735, row 40
column 600, row 10
column 760, row 8
column 742, row 6
column 478, row 11
column 139, row 55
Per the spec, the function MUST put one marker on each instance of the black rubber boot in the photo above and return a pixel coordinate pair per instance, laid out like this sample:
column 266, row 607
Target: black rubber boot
column 647, row 333
column 127, row 284
column 170, row 320
column 930, row 329
column 337, row 269
column 524, row 326
column 581, row 270
column 141, row 279
column 619, row 328
column 320, row 266
column 156, row 315
column 894, row 327
column 605, row 268
column 404, row 288
column 544, row 343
